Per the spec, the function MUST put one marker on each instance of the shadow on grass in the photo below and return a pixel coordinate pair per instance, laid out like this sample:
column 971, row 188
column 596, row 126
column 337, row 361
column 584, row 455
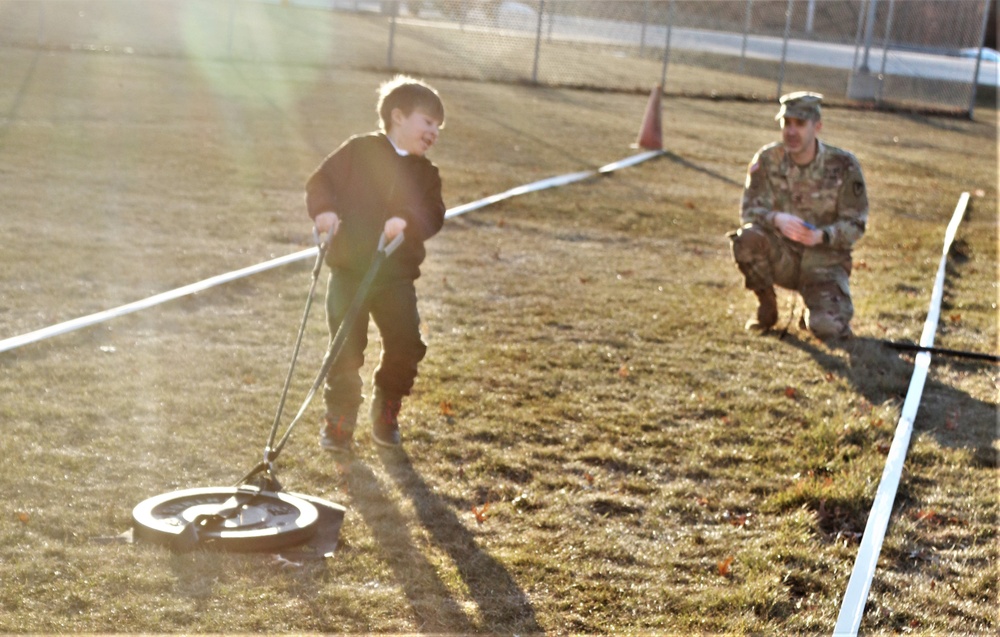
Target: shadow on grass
column 504, row 606
column 428, row 596
column 880, row 373
column 18, row 100
column 677, row 159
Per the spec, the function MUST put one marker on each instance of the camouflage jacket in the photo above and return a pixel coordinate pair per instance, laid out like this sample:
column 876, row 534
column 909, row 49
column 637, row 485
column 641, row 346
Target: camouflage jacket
column 829, row 193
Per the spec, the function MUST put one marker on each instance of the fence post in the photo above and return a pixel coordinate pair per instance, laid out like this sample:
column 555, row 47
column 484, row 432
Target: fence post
column 642, row 34
column 538, row 41
column 885, row 49
column 666, row 46
column 41, row 24
column 869, row 29
column 229, row 35
column 784, row 45
column 552, row 19
column 979, row 56
column 857, row 35
column 394, row 9
column 746, row 35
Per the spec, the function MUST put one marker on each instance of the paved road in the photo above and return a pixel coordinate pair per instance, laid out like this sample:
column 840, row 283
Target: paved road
column 839, row 56
column 522, row 19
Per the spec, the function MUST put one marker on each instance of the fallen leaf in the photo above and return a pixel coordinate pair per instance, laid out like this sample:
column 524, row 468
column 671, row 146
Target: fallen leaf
column 724, row 566
column 623, row 371
column 740, row 520
column 501, row 223
column 282, row 562
column 883, row 448
column 955, row 318
column 480, row 512
column 589, row 478
column 446, row 409
column 23, row 517
column 791, row 392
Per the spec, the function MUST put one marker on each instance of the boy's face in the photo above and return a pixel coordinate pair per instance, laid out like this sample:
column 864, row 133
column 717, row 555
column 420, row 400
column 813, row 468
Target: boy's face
column 415, row 133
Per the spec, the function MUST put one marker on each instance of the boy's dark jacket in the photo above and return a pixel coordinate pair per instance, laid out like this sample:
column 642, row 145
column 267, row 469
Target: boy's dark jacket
column 366, row 182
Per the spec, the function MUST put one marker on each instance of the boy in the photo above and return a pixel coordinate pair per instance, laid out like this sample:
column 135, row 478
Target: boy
column 376, row 183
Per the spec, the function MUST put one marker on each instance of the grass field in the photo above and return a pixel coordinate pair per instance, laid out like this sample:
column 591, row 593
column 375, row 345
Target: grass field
column 594, row 445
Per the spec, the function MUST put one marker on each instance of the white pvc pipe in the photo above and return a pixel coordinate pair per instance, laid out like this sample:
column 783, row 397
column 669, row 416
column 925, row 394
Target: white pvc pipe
column 858, row 587
column 551, row 182
column 84, row 321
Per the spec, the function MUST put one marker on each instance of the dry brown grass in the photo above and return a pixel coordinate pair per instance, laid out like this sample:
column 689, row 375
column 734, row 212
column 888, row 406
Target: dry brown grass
column 647, row 466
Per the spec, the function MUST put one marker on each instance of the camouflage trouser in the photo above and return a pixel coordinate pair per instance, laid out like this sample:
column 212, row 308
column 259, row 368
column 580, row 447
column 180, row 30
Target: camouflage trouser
column 767, row 259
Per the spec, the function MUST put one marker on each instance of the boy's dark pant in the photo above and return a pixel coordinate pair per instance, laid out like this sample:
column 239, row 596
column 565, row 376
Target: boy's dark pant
column 393, row 307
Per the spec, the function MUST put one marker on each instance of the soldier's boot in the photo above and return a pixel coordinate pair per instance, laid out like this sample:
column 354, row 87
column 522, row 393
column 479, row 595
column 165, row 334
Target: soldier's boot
column 767, row 311
column 384, row 415
column 751, row 247
column 337, row 431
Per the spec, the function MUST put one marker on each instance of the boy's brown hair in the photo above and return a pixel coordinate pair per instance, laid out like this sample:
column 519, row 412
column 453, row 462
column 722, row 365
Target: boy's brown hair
column 407, row 94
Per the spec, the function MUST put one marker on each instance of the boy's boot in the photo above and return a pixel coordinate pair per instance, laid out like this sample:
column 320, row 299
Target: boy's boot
column 384, row 416
column 337, row 431
column 767, row 311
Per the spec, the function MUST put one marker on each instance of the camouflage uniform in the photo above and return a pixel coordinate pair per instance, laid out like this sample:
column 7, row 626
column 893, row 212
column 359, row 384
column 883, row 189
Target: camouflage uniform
column 828, row 193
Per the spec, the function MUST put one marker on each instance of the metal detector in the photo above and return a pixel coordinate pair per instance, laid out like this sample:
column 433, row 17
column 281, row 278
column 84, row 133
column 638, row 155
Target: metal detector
column 255, row 515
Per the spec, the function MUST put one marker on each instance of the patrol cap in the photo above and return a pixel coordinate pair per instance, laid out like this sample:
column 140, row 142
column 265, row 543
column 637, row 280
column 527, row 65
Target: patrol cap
column 800, row 105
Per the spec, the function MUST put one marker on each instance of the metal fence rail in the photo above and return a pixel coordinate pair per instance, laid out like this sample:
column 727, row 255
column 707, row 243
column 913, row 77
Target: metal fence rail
column 922, row 54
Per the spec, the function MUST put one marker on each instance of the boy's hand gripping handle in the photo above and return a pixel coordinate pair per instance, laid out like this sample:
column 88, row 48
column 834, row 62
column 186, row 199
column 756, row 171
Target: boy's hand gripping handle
column 392, row 245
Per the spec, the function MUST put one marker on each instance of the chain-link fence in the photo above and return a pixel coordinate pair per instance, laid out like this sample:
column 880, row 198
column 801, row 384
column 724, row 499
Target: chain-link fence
column 922, row 54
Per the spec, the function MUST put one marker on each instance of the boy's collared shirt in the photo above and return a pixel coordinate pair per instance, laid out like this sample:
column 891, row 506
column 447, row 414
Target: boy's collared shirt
column 399, row 151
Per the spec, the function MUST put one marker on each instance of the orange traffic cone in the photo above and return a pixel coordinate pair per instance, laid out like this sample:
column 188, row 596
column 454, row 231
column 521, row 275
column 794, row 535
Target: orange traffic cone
column 651, row 132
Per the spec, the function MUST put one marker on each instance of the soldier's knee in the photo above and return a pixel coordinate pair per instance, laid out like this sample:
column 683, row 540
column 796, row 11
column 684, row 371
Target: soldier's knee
column 747, row 242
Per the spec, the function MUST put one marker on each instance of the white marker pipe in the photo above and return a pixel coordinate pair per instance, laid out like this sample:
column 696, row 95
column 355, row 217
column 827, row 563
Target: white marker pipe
column 551, row 182
column 84, row 321
column 858, row 587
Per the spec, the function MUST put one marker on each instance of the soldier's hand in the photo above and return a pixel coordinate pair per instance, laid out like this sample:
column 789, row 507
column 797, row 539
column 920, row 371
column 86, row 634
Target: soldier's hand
column 796, row 229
